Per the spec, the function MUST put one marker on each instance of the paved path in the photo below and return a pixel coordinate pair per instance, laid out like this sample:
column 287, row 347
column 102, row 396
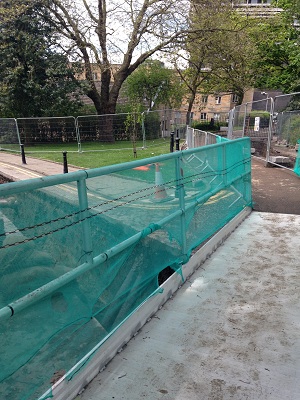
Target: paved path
column 12, row 168
column 274, row 189
column 231, row 332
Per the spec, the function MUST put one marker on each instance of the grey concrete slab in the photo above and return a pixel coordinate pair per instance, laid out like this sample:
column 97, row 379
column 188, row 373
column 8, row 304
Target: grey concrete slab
column 230, row 332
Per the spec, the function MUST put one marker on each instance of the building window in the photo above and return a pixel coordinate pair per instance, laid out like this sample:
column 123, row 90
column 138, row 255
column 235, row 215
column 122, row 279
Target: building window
column 95, row 76
column 235, row 98
column 217, row 117
column 218, row 99
column 203, row 116
column 204, row 99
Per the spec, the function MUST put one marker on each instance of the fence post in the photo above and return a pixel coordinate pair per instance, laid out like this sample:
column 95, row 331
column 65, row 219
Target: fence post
column 270, row 132
column 78, row 135
column 171, row 142
column 231, row 123
column 65, row 162
column 23, row 154
column 245, row 119
column 143, row 130
column 224, row 165
column 177, row 143
column 85, row 222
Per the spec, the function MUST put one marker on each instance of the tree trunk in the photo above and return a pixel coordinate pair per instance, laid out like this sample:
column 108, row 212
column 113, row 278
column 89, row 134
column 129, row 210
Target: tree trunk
column 190, row 107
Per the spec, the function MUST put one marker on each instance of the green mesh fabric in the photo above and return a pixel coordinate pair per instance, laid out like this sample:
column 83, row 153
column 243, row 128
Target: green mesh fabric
column 297, row 162
column 77, row 258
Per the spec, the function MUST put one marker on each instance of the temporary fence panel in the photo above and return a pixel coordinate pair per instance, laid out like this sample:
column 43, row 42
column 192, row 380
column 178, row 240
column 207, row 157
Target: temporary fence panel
column 109, row 127
column 47, row 130
column 198, row 138
column 173, row 121
column 273, row 124
column 252, row 120
column 215, row 117
column 9, row 135
column 236, row 122
column 212, row 117
column 285, row 130
column 145, row 126
column 81, row 251
column 84, row 131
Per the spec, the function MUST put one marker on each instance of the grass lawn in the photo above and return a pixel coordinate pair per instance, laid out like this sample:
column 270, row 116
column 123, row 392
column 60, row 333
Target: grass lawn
column 94, row 155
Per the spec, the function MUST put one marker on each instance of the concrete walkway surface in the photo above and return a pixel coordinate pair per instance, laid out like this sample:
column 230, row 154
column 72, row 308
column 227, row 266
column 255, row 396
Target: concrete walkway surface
column 12, row 168
column 230, row 332
column 275, row 189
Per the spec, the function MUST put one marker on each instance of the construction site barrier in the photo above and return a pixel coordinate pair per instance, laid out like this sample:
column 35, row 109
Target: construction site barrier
column 85, row 129
column 82, row 251
column 273, row 124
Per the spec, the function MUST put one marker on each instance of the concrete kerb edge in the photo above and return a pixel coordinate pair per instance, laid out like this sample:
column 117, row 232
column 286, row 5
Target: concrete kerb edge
column 65, row 389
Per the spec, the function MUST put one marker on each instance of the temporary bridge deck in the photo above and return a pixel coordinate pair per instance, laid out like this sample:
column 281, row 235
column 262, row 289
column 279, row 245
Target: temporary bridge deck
column 230, row 332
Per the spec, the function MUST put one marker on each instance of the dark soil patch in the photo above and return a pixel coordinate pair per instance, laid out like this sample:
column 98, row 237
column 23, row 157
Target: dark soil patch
column 3, row 179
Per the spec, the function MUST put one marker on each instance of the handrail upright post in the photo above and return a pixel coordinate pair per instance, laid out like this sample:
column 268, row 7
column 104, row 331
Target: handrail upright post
column 225, row 180
column 86, row 228
column 180, row 194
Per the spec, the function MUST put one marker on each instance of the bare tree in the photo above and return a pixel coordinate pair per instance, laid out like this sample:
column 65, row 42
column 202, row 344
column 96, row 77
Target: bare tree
column 117, row 36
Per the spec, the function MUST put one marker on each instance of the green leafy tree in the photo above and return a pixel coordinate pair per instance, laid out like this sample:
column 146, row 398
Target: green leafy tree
column 291, row 7
column 154, row 85
column 36, row 80
column 221, row 58
column 278, row 47
column 234, row 57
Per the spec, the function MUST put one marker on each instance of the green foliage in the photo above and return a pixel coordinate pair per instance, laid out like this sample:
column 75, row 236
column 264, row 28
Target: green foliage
column 86, row 109
column 207, row 126
column 152, row 85
column 152, row 125
column 220, row 58
column 259, row 113
column 291, row 129
column 278, row 63
column 292, row 7
column 35, row 79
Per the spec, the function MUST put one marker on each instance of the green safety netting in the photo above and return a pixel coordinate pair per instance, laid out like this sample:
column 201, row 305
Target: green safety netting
column 297, row 162
column 80, row 252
